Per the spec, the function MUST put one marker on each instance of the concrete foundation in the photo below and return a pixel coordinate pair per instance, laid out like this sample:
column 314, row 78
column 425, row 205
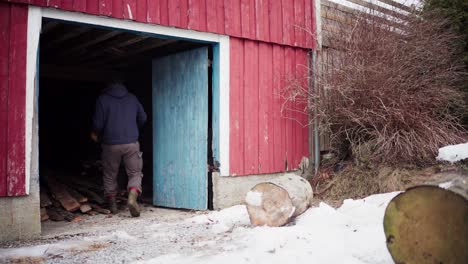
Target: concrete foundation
column 20, row 217
column 230, row 191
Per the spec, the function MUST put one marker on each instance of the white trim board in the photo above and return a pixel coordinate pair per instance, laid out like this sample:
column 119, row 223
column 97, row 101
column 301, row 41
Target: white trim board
column 34, row 26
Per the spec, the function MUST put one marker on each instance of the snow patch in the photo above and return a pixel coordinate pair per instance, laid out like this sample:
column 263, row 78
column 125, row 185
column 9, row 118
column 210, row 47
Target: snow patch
column 446, row 185
column 453, row 153
column 225, row 219
column 254, row 198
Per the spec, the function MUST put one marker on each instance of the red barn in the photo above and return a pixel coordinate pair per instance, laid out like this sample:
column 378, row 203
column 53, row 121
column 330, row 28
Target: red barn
column 209, row 74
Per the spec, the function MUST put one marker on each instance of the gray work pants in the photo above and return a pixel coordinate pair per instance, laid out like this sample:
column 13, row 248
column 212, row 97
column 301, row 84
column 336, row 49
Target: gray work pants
column 111, row 157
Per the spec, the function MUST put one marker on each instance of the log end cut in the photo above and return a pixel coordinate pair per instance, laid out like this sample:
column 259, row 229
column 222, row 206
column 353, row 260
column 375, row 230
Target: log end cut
column 427, row 224
column 269, row 204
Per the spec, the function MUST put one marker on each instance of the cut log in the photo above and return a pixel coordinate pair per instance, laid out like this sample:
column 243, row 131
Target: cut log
column 92, row 196
column 276, row 202
column 269, row 204
column 54, row 215
column 99, row 209
column 84, row 208
column 60, row 193
column 44, row 215
column 44, row 199
column 78, row 196
column 92, row 213
column 427, row 224
column 299, row 190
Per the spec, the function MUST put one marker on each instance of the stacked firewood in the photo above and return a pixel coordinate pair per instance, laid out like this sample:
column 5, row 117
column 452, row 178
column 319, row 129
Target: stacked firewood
column 68, row 197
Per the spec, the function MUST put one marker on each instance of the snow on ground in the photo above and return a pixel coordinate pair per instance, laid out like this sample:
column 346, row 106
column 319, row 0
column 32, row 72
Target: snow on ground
column 350, row 234
column 453, row 153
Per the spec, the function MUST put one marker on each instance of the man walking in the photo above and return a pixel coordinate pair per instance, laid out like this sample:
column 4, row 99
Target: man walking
column 116, row 123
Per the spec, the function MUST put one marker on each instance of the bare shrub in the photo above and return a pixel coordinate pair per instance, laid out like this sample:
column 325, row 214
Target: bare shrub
column 389, row 94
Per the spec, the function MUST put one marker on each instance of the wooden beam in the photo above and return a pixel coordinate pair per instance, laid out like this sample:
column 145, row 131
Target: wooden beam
column 380, row 9
column 48, row 26
column 138, row 49
column 71, row 34
column 78, row 73
column 112, row 46
column 94, row 37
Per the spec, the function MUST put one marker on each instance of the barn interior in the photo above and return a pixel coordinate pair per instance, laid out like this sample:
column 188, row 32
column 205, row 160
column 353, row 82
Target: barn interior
column 76, row 61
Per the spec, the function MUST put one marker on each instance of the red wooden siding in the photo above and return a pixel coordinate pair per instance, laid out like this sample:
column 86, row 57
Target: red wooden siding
column 283, row 22
column 13, row 32
column 262, row 139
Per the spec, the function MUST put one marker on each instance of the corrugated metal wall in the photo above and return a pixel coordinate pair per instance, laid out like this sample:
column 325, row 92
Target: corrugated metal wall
column 13, row 30
column 262, row 139
column 277, row 21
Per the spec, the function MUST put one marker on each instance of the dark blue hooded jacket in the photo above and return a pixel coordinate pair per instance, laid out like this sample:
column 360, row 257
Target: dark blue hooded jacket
column 118, row 116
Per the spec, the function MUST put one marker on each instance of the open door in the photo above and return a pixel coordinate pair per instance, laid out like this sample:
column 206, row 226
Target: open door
column 180, row 130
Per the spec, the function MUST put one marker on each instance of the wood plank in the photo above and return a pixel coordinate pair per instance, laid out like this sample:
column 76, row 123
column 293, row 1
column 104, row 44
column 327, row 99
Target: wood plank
column 105, row 7
column 301, row 71
column 194, row 14
column 76, row 195
column 278, row 138
column 85, row 208
column 236, row 108
column 154, row 12
column 44, row 199
column 117, row 8
column 211, row 16
column 275, row 21
column 54, row 3
column 309, row 24
column 251, row 107
column 92, row 7
column 94, row 37
column 54, row 215
column 174, row 11
column 67, row 5
column 129, row 9
column 69, row 34
column 262, row 21
column 79, row 6
column 288, row 22
column 290, row 133
column 220, row 16
column 60, row 193
column 91, row 195
column 203, row 20
column 164, row 12
column 16, row 168
column 233, row 18
column 397, row 5
column 39, row 2
column 299, row 23
column 184, row 8
column 4, row 87
column 265, row 105
column 99, row 209
column 379, row 8
column 141, row 8
column 44, row 215
column 248, row 19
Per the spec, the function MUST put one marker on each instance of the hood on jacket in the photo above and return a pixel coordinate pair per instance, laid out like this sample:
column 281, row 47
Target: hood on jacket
column 117, row 90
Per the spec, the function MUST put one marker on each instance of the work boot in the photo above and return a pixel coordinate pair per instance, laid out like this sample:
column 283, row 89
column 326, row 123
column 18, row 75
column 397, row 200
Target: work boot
column 112, row 204
column 132, row 203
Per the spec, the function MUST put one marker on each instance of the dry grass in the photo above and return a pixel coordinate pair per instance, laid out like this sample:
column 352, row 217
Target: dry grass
column 356, row 182
column 389, row 94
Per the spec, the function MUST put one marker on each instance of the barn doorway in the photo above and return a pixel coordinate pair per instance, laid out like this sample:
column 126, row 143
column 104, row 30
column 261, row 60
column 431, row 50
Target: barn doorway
column 76, row 61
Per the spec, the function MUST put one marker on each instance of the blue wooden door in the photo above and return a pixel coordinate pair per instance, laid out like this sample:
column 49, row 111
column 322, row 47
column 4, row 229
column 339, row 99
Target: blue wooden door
column 180, row 130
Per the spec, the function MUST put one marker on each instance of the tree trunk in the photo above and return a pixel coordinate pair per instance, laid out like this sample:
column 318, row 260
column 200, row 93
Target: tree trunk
column 427, row 224
column 276, row 202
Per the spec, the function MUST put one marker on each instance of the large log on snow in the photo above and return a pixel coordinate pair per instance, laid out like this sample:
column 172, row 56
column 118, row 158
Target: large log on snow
column 427, row 224
column 274, row 203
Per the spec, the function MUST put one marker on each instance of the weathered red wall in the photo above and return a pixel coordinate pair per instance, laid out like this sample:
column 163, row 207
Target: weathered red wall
column 276, row 21
column 262, row 139
column 13, row 31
